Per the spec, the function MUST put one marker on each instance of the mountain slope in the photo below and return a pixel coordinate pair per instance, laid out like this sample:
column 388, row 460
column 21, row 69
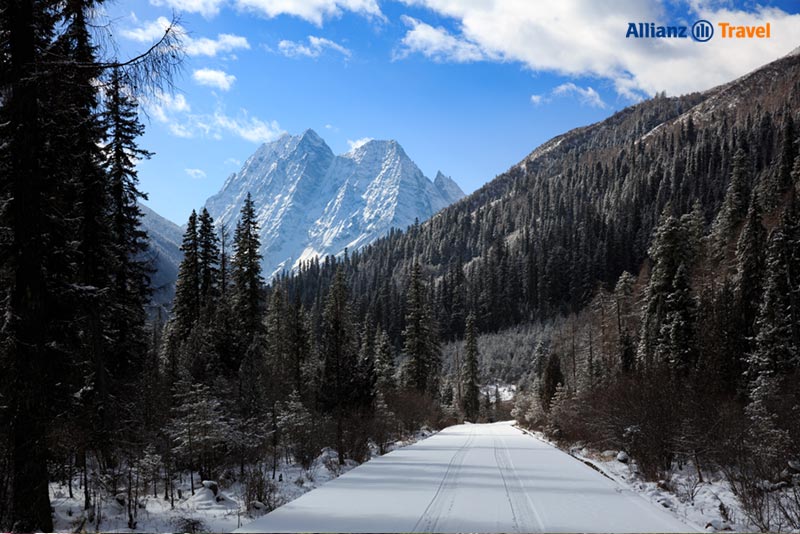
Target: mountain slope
column 164, row 255
column 311, row 202
column 539, row 239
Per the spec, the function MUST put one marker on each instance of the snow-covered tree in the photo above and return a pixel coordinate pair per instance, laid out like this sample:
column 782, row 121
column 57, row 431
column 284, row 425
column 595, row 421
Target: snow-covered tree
column 470, row 403
column 421, row 343
column 199, row 429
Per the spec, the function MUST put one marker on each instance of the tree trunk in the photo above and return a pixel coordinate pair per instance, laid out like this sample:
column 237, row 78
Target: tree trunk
column 87, row 498
column 30, row 499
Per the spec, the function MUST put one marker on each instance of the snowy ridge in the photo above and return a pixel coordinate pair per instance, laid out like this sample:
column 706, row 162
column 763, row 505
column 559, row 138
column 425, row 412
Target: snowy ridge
column 164, row 255
column 311, row 202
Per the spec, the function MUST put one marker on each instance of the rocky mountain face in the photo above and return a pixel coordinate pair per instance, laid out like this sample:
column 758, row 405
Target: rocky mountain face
column 164, row 256
column 312, row 202
column 540, row 239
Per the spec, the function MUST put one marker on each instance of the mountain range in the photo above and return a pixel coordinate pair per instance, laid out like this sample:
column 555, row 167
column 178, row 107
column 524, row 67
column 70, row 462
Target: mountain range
column 164, row 256
column 310, row 202
column 540, row 239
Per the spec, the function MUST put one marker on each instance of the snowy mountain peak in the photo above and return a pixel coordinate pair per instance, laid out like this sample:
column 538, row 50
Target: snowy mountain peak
column 447, row 185
column 311, row 202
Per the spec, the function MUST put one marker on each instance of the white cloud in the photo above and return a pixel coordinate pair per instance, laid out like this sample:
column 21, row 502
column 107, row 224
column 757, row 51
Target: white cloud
column 233, row 162
column 163, row 105
column 197, row 174
column 587, row 38
column 438, row 44
column 214, row 78
column 202, row 46
column 248, row 128
column 358, row 142
column 224, row 42
column 207, row 8
column 175, row 114
column 586, row 95
column 314, row 11
column 315, row 47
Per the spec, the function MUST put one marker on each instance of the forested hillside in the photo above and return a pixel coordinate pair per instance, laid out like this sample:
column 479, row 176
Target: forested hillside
column 650, row 268
column 538, row 240
column 638, row 278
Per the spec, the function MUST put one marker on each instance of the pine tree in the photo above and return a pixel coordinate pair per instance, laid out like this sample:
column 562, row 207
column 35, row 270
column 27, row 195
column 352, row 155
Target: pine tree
column 666, row 253
column 186, row 307
column 338, row 352
column 750, row 266
column 277, row 343
column 298, row 347
column 552, row 377
column 365, row 374
column 384, row 362
column 130, row 272
column 82, row 125
column 384, row 425
column 421, row 340
column 26, row 29
column 623, row 301
column 777, row 345
column 297, row 423
column 675, row 245
column 678, row 329
column 246, row 267
column 734, row 206
column 208, row 261
column 68, row 269
column 199, row 429
column 470, row 376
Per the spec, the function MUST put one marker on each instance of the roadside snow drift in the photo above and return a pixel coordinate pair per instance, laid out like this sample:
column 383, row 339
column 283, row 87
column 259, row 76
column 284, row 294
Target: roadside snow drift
column 471, row 478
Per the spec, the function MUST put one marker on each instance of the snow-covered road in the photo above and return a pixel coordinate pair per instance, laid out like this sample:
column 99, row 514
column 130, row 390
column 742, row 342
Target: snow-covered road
column 471, row 478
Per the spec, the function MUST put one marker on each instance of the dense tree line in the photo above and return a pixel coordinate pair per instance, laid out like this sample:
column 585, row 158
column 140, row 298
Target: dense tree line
column 691, row 358
column 535, row 242
column 248, row 373
column 73, row 276
column 355, row 351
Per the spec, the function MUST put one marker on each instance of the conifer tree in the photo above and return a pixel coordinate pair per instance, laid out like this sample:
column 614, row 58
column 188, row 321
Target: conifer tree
column 623, row 297
column 208, row 263
column 773, row 393
column 338, row 352
column 552, row 377
column 470, row 376
column 298, row 347
column 421, row 341
column 678, row 329
column 130, row 280
column 384, row 362
column 734, row 206
column 186, row 307
column 26, row 30
column 750, row 268
column 278, row 345
column 68, row 268
column 246, row 271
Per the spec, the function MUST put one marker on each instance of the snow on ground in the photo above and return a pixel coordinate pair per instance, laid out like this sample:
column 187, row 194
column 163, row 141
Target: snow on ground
column 506, row 392
column 203, row 511
column 710, row 503
column 475, row 478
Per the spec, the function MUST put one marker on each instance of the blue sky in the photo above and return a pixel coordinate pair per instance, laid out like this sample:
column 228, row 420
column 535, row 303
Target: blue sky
column 468, row 87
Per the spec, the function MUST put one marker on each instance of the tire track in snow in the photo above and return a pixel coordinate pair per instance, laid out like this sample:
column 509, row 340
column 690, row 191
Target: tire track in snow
column 444, row 497
column 524, row 514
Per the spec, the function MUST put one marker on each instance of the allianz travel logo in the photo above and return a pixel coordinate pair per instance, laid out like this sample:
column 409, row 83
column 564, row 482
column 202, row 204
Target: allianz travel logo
column 701, row 31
